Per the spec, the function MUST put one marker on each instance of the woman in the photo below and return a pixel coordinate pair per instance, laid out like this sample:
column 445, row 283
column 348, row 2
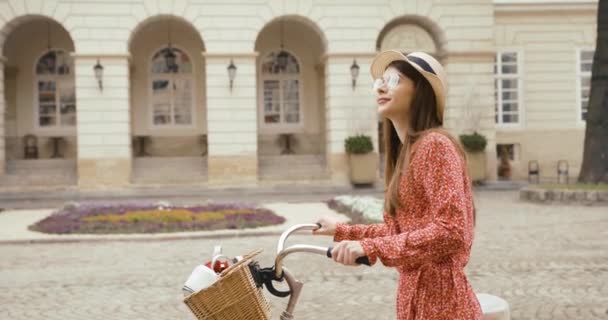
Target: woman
column 429, row 214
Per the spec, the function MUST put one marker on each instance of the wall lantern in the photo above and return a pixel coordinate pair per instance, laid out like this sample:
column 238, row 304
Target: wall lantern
column 98, row 68
column 169, row 55
column 231, row 73
column 354, row 73
column 170, row 59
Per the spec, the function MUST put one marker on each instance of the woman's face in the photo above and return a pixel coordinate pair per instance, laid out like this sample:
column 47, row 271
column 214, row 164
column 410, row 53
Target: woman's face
column 394, row 101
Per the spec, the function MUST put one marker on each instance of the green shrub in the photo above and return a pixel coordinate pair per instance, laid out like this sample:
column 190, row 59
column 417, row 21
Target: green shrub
column 359, row 144
column 473, row 142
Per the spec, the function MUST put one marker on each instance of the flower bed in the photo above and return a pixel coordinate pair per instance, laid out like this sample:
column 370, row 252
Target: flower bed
column 153, row 218
column 361, row 209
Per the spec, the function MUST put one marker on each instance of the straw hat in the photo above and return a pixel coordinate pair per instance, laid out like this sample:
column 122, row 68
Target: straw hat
column 428, row 66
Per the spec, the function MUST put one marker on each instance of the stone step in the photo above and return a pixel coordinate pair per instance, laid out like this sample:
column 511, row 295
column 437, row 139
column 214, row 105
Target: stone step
column 169, row 162
column 39, row 165
column 291, row 160
column 295, row 173
column 169, row 170
column 40, row 172
column 293, row 167
column 33, row 179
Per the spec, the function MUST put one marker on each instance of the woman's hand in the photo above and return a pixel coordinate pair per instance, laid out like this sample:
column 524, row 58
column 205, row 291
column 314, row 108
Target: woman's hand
column 328, row 227
column 346, row 252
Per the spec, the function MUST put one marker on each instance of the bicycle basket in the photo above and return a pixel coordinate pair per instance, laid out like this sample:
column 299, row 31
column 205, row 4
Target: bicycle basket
column 234, row 296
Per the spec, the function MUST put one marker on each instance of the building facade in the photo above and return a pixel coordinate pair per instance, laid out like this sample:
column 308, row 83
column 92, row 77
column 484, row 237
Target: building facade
column 101, row 93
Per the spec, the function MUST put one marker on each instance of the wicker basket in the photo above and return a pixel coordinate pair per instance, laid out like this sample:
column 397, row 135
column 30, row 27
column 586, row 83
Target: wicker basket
column 234, row 296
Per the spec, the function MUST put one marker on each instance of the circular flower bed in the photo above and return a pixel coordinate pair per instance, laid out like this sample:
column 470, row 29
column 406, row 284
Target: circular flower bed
column 153, row 218
column 360, row 209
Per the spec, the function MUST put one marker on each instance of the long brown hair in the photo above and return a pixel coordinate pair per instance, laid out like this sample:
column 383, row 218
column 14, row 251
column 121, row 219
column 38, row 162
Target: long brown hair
column 423, row 119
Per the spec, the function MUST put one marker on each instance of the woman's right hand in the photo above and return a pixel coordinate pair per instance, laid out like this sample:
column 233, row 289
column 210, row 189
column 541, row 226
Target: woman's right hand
column 328, row 227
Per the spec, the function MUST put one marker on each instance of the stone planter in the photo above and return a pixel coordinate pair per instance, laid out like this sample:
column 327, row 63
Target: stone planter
column 363, row 168
column 476, row 163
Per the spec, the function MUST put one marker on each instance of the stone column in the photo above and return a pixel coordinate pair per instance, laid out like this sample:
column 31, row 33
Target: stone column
column 232, row 119
column 2, row 119
column 103, row 115
column 470, row 103
column 348, row 111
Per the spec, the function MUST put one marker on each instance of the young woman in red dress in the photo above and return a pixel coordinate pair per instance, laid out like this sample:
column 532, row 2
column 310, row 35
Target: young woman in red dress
column 429, row 212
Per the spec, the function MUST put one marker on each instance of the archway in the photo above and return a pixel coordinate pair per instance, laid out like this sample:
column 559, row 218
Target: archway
column 41, row 109
column 168, row 102
column 291, row 100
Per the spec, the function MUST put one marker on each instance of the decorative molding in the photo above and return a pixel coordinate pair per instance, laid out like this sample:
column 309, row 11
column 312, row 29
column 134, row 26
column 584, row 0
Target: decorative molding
column 216, row 55
column 536, row 7
column 349, row 55
column 504, row 2
column 101, row 55
column 451, row 56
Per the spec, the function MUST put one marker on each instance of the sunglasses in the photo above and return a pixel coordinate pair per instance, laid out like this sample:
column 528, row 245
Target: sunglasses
column 391, row 82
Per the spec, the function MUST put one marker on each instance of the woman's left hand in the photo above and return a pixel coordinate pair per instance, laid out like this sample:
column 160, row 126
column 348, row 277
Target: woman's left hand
column 346, row 252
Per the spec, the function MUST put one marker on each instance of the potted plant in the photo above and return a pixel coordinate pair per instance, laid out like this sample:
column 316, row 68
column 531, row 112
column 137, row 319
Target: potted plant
column 363, row 162
column 474, row 145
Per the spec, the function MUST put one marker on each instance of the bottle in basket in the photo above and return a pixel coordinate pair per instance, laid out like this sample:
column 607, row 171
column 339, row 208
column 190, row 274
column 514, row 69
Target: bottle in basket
column 218, row 266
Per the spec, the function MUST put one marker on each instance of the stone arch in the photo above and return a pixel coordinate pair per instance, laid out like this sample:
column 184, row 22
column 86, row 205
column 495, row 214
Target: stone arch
column 16, row 22
column 296, row 18
column 160, row 18
column 416, row 26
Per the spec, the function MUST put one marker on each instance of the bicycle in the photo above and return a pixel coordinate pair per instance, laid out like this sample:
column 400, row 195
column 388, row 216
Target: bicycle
column 237, row 295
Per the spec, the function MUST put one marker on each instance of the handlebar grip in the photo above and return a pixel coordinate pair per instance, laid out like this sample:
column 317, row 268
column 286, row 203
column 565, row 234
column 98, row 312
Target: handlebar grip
column 361, row 260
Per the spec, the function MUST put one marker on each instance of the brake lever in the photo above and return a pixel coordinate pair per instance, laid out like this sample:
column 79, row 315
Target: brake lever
column 265, row 276
column 274, row 291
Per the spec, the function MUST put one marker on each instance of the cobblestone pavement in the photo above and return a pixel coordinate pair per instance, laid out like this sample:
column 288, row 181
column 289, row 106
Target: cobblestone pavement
column 548, row 262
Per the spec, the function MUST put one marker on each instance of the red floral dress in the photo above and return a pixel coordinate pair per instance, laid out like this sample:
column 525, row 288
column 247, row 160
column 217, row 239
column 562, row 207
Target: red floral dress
column 429, row 239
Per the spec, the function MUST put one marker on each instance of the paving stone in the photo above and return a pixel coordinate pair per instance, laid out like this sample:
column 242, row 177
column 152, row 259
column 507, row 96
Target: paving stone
column 548, row 262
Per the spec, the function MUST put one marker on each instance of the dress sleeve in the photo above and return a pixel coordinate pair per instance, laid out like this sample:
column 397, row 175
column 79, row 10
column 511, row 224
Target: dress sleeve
column 360, row 231
column 438, row 170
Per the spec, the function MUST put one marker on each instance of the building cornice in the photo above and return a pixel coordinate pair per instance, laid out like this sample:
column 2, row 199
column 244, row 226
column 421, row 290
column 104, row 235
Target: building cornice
column 481, row 55
column 230, row 54
column 101, row 55
column 539, row 6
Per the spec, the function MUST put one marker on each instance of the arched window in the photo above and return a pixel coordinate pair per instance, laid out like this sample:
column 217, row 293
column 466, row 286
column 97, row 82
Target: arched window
column 171, row 91
column 281, row 83
column 55, row 90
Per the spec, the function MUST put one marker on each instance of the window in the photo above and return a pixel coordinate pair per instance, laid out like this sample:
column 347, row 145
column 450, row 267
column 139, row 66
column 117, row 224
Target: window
column 281, row 89
column 55, row 90
column 171, row 98
column 585, row 59
column 507, row 87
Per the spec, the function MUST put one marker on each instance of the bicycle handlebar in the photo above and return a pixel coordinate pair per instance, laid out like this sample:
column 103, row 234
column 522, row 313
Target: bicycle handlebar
column 361, row 260
column 282, row 252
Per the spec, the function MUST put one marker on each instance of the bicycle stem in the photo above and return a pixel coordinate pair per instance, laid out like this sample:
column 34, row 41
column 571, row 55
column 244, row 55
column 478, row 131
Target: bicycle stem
column 278, row 264
column 282, row 252
column 288, row 232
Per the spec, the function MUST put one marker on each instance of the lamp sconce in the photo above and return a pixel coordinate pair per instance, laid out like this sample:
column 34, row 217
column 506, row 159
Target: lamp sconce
column 231, row 73
column 354, row 72
column 98, row 68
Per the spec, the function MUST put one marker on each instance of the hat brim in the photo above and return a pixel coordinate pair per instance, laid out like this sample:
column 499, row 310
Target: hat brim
column 385, row 58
